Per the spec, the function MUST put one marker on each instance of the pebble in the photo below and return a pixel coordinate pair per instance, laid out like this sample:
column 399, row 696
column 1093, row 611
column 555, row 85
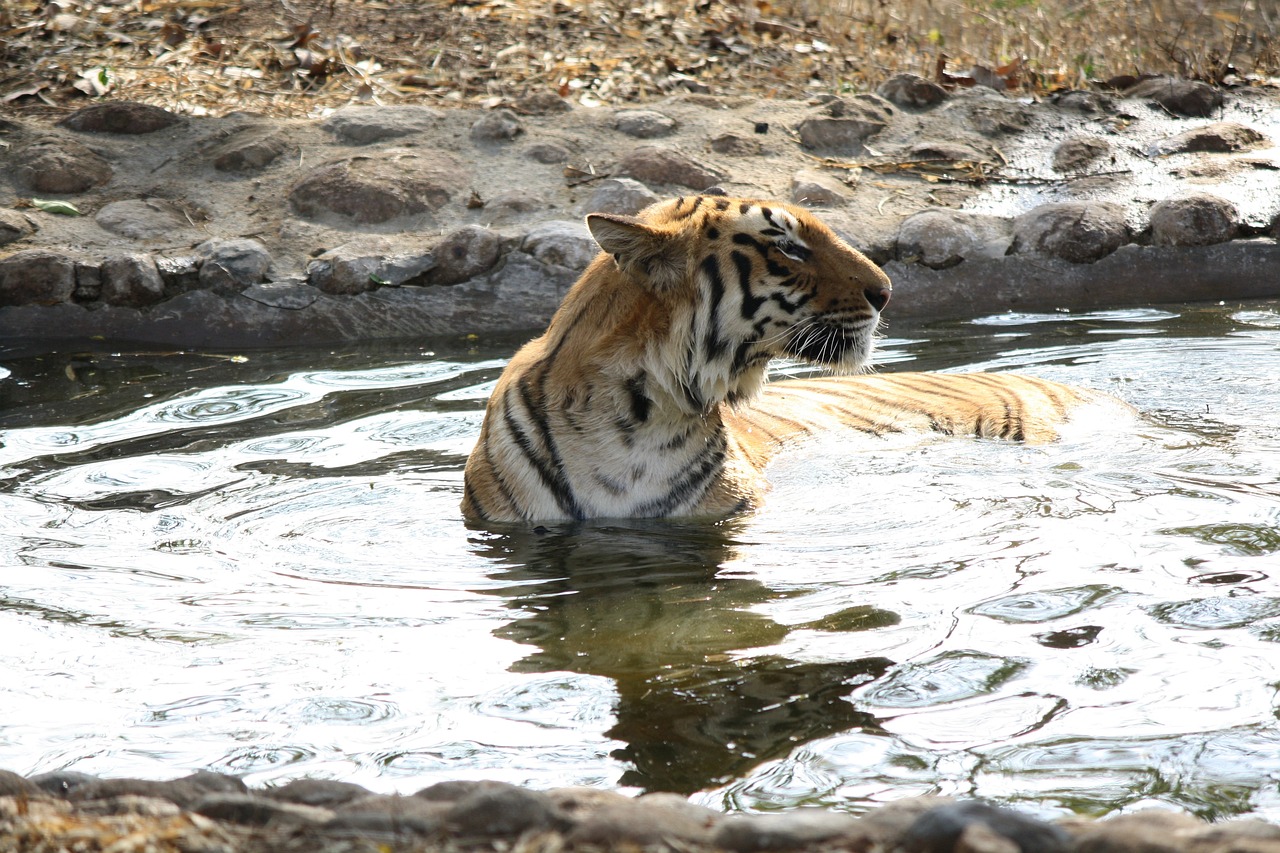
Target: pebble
column 735, row 145
column 502, row 810
column 1075, row 153
column 255, row 810
column 88, row 283
column 120, row 117
column 842, row 132
column 1089, row 103
column 942, row 238
column 1194, row 219
column 14, row 226
column 1075, row 231
column 911, row 90
column 248, row 152
column 60, row 782
column 1185, row 97
column 940, row 830
column 643, row 124
column 541, row 104
column 1147, row 831
column 317, row 792
column 561, row 243
column 141, row 218
column 132, row 804
column 13, row 785
column 1220, row 137
column 233, row 263
column 654, row 820
column 625, row 196
column 362, row 125
column 955, row 152
column 993, row 116
column 794, row 830
column 131, row 281
column 390, row 815
column 497, row 126
column 547, row 152
column 655, row 165
column 60, row 166
column 376, row 190
column 464, row 254
column 813, row 188
column 287, row 295
column 36, row 276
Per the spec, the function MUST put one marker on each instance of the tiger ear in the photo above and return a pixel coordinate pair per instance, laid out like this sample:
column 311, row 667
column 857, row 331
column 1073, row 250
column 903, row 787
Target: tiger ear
column 643, row 252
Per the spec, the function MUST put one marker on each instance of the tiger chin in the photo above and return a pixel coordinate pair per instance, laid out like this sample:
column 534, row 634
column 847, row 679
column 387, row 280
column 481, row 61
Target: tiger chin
column 646, row 396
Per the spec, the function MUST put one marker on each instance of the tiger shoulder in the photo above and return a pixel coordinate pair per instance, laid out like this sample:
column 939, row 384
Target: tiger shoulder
column 647, row 394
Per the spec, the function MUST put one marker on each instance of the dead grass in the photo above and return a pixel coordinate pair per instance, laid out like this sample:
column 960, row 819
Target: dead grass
column 298, row 57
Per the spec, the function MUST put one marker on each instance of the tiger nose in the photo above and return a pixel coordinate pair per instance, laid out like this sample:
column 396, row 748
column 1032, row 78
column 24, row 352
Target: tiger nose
column 878, row 297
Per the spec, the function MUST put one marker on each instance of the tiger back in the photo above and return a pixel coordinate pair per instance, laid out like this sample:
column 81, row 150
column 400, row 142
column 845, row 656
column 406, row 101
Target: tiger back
column 646, row 396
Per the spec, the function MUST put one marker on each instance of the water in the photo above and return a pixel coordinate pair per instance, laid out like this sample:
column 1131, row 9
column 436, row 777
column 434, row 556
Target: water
column 255, row 563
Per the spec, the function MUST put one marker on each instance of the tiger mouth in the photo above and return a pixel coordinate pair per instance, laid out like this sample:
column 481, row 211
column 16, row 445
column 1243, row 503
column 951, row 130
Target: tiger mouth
column 828, row 345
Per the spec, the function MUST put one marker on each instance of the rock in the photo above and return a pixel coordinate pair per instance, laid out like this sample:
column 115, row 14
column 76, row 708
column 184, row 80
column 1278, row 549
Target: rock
column 1079, row 232
column 845, row 125
column 287, row 295
column 51, row 165
column 954, row 152
column 1185, row 97
column 993, row 116
column 361, row 125
column 625, row 196
column 374, row 190
column 345, row 271
column 1220, row 137
column 61, row 782
column 1194, row 219
column 652, row 821
column 1075, row 153
column 249, row 151
column 232, row 263
column 942, row 238
column 181, row 273
column 1089, row 103
column 541, row 104
column 502, row 811
column 181, row 793
column 1148, row 831
column 255, row 810
column 910, row 90
column 141, row 219
column 889, row 824
column 643, row 124
column 390, row 815
column 513, row 203
column 655, row 165
column 457, row 789
column 794, row 830
column 121, row 117
column 497, row 126
column 131, row 281
column 561, row 243
column 466, row 253
column 14, row 226
column 36, row 277
column 88, row 283
column 576, row 802
column 940, row 830
column 735, row 145
column 818, row 189
column 547, row 152
column 13, row 785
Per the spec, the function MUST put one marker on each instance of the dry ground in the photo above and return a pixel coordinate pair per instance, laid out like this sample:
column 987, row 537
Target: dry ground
column 303, row 57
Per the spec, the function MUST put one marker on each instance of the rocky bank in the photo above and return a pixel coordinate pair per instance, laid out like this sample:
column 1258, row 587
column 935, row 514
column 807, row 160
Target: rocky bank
column 126, row 221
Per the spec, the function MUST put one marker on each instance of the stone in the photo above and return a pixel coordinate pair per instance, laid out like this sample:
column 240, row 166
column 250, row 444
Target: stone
column 625, row 196
column 576, row 802
column 514, row 203
column 940, row 829
column 547, row 152
column 88, row 283
column 1147, row 831
column 1194, row 219
column 497, row 126
column 141, row 218
column 464, row 254
column 120, row 117
column 889, row 823
column 655, row 165
column 181, row 793
column 659, row 821
column 502, row 811
column 14, row 785
column 813, row 188
column 561, row 243
column 994, row 116
column 342, row 272
column 1075, row 153
column 248, row 152
column 61, row 782
column 794, row 830
column 36, row 277
column 290, row 296
column 541, row 104
column 1075, row 231
column 842, row 135
column 954, row 152
column 911, row 90
column 180, row 273
column 131, row 804
column 60, row 166
column 390, row 815
column 942, row 238
column 131, row 281
column 980, row 838
column 456, row 789
column 370, row 191
column 1185, row 97
column 1220, row 137
column 256, row 810
column 232, row 263
column 14, row 227
column 361, row 125
column 735, row 145
column 1080, row 101
column 643, row 124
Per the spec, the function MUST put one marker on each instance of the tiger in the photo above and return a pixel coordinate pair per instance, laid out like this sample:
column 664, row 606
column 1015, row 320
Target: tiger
column 646, row 397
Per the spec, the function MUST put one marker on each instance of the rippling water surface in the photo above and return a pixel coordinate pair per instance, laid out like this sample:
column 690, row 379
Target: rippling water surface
column 254, row 563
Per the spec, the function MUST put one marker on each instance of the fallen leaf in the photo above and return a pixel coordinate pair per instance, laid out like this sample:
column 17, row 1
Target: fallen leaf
column 62, row 208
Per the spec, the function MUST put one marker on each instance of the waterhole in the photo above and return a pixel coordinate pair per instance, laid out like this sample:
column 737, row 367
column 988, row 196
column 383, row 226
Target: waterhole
column 254, row 562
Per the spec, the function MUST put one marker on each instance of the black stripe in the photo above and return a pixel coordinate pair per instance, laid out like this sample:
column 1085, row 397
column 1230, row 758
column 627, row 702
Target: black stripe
column 750, row 302
column 550, row 471
column 640, row 402
column 695, row 484
column 713, row 345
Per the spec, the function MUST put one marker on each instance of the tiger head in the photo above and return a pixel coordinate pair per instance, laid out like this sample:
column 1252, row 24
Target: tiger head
column 730, row 283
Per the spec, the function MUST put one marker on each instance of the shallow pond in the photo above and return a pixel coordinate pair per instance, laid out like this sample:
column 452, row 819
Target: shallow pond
column 254, row 563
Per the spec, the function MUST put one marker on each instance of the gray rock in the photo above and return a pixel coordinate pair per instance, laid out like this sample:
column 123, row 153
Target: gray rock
column 1076, row 153
column 561, row 243
column 993, row 116
column 341, row 271
column 390, row 815
column 940, row 239
column 51, row 165
column 547, row 152
column 255, row 810
column 456, row 789
column 736, row 145
column 1089, row 103
column 910, row 90
column 88, row 283
column 939, row 830
column 14, row 226
column 1148, row 831
column 248, row 152
column 576, row 802
column 541, row 104
column 232, row 263
column 813, row 188
column 936, row 149
column 291, row 296
column 625, row 196
column 181, row 273
column 141, row 219
column 36, row 277
column 1194, row 219
column 1076, row 231
column 361, row 125
column 1185, row 97
column 513, row 203
column 502, row 811
column 655, row 165
column 131, row 281
column 889, row 823
column 660, row 821
column 182, row 793
column 120, row 117
column 470, row 251
column 375, row 190
column 13, row 785
column 838, row 136
column 1220, row 137
column 644, row 124
column 794, row 830
column 61, row 782
column 497, row 126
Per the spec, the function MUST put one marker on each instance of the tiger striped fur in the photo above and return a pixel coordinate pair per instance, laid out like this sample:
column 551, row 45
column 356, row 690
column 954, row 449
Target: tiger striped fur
column 646, row 395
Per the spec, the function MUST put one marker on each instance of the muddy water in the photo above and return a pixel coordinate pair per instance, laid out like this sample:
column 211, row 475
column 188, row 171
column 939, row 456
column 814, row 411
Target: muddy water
column 253, row 562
